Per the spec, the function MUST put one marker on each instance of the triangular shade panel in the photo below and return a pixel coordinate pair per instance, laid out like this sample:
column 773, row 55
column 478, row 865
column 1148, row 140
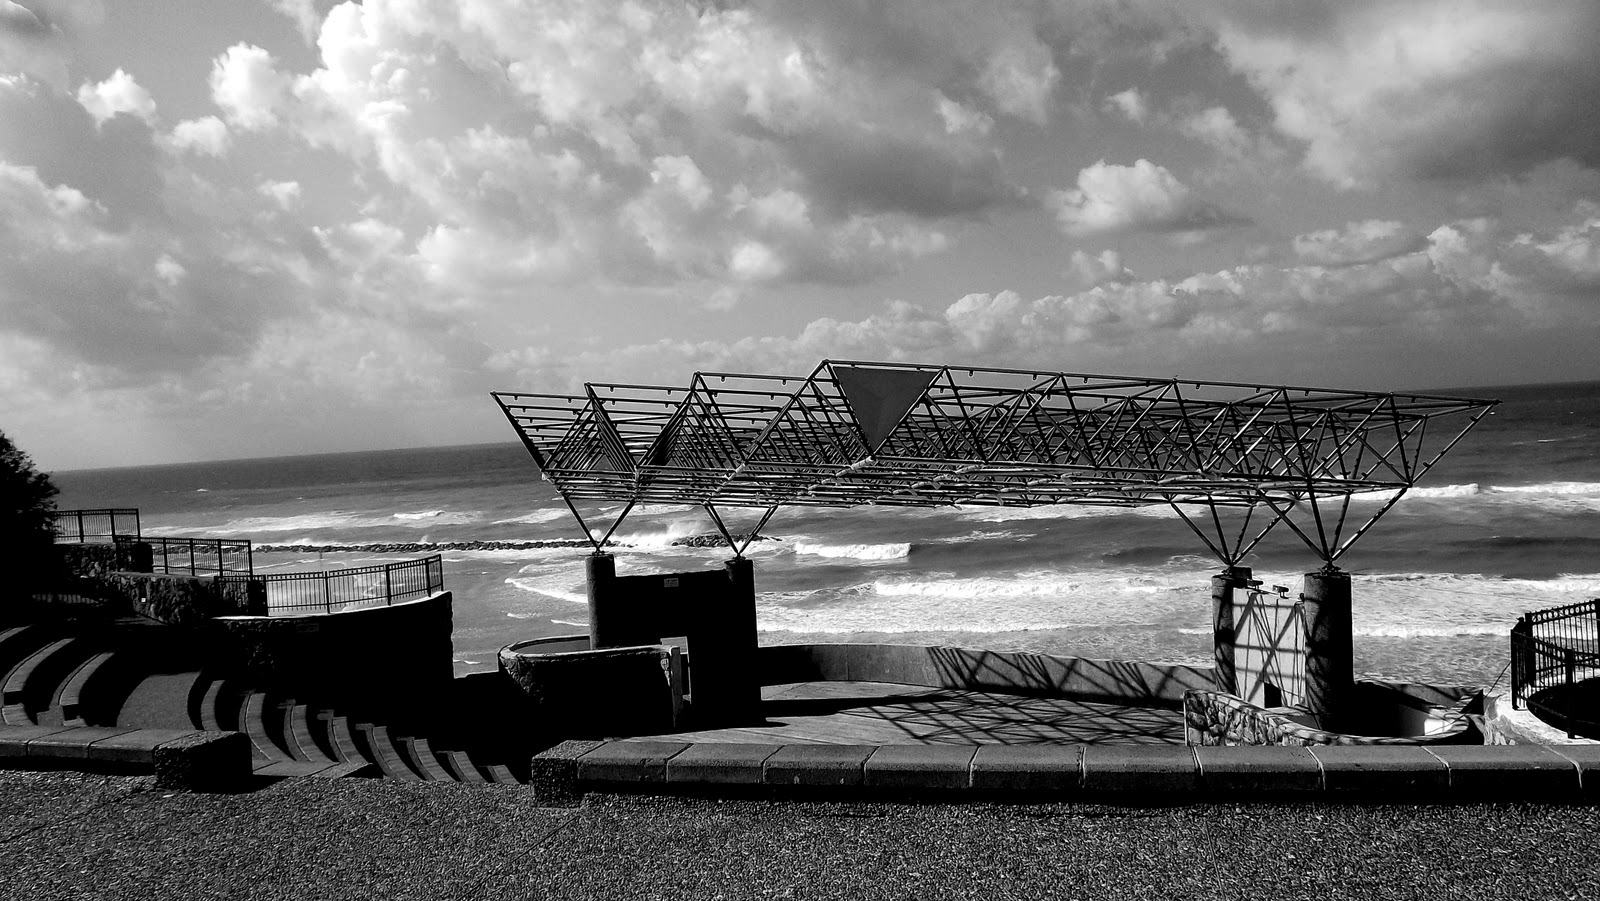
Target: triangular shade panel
column 880, row 398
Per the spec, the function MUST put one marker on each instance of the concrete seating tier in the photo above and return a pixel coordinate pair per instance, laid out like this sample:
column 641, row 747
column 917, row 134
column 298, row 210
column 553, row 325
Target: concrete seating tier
column 129, row 676
column 1391, row 774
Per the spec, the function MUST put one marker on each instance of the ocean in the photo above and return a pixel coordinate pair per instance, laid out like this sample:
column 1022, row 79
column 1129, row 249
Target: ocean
column 1508, row 522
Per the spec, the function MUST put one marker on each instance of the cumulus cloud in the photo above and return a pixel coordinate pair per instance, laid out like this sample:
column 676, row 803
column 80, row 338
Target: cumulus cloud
column 1143, row 197
column 207, row 136
column 246, row 84
column 1357, row 242
column 1436, row 89
column 119, row 93
column 1131, row 104
column 304, row 15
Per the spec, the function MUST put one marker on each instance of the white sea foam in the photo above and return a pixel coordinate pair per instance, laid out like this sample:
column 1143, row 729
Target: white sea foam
column 890, row 551
column 535, row 517
column 558, row 585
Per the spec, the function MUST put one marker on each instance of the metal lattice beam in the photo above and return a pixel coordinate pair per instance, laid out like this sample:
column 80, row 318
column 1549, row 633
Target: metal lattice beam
column 855, row 433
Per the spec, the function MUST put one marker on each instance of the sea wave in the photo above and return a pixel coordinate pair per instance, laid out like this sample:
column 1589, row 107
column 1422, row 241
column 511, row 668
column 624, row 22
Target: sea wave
column 890, row 551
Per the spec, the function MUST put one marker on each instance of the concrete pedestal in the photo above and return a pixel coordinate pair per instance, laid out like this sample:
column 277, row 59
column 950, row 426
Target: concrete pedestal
column 1224, row 624
column 1330, row 658
column 714, row 610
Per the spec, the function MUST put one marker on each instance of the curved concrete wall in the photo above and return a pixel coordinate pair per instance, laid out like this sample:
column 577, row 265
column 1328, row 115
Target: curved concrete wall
column 1112, row 681
column 583, row 692
column 392, row 658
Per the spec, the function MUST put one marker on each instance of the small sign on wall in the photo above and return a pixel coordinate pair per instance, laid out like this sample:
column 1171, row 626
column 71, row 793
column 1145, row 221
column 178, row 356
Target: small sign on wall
column 669, row 582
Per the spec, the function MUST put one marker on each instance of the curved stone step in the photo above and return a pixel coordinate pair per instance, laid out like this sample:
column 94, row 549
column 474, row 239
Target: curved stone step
column 17, row 642
column 499, row 772
column 34, row 682
column 303, row 744
column 385, row 755
column 419, row 754
column 158, row 700
column 253, row 712
column 461, row 766
column 343, row 740
column 70, row 699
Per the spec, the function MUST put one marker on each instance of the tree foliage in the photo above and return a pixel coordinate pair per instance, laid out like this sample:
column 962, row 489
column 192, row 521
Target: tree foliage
column 27, row 498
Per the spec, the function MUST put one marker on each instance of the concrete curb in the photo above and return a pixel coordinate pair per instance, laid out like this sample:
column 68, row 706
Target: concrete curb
column 180, row 759
column 1134, row 773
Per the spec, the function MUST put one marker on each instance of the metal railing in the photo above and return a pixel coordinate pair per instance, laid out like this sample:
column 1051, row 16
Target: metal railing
column 1553, row 648
column 199, row 556
column 81, row 526
column 367, row 586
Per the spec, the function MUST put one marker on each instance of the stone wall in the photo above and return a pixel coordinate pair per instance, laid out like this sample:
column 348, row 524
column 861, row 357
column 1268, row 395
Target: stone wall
column 385, row 659
column 1215, row 719
column 187, row 600
column 92, row 561
column 1112, row 681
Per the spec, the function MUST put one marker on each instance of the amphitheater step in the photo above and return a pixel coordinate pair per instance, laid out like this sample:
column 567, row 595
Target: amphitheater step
column 419, row 754
column 460, row 766
column 32, row 684
column 253, row 713
column 385, row 755
column 158, row 700
column 72, row 700
column 342, row 738
column 499, row 772
column 17, row 643
column 299, row 732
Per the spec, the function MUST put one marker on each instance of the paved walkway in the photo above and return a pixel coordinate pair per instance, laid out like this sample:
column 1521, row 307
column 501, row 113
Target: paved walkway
column 877, row 713
column 72, row 836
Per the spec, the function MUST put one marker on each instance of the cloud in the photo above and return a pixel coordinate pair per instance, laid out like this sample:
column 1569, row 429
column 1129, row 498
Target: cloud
column 304, row 15
column 1469, row 283
column 1436, row 89
column 34, row 42
column 245, row 83
column 117, row 94
column 1144, row 197
column 1357, row 242
column 206, row 135
column 1132, row 104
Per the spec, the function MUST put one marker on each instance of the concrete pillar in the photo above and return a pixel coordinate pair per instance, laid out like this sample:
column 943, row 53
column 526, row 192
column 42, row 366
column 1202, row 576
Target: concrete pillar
column 1330, row 658
column 604, row 615
column 1224, row 624
column 723, row 676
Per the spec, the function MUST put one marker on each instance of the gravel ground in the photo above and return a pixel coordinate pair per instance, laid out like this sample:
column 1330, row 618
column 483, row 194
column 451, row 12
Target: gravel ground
column 69, row 835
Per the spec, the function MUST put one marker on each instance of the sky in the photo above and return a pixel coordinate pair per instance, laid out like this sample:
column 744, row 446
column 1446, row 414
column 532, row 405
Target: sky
column 243, row 228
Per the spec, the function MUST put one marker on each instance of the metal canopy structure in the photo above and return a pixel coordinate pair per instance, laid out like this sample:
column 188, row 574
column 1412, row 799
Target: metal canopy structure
column 1233, row 459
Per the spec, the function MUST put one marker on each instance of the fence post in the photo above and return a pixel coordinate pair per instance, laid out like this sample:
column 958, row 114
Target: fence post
column 1570, row 658
column 388, row 590
column 327, row 594
column 80, row 525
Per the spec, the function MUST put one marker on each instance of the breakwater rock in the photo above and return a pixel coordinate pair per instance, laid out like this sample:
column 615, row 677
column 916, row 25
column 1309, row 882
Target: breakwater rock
column 715, row 539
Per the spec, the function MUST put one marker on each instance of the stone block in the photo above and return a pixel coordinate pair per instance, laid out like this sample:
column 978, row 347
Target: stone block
column 553, row 773
column 1246, row 772
column 628, row 761
column 72, row 744
column 14, row 739
column 1400, row 773
column 135, row 747
column 720, row 763
column 1140, row 769
column 1507, row 771
column 1028, row 768
column 832, row 765
column 920, row 767
column 204, row 761
column 1587, row 759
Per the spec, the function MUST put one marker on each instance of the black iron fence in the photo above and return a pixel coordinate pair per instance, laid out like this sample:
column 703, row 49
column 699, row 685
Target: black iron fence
column 339, row 589
column 81, row 526
column 1555, row 647
column 199, row 556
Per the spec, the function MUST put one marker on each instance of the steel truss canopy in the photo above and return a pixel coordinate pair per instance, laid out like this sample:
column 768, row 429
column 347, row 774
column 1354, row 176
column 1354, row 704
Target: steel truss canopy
column 1233, row 459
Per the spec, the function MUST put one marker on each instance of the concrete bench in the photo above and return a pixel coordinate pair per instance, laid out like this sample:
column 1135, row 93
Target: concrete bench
column 179, row 759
